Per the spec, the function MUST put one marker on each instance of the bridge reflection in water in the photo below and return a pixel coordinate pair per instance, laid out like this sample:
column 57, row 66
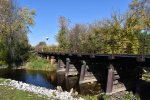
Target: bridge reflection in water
column 67, row 83
column 49, row 80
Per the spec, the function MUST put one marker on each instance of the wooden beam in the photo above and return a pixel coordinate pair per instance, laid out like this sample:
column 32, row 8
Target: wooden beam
column 52, row 60
column 140, row 59
column 47, row 57
column 110, row 79
column 82, row 74
column 59, row 62
column 60, row 66
column 67, row 66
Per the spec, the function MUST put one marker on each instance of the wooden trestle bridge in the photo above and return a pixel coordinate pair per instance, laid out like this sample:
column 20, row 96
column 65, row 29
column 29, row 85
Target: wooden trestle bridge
column 115, row 72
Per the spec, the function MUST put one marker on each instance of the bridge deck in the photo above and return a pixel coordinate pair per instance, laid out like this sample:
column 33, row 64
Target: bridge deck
column 98, row 55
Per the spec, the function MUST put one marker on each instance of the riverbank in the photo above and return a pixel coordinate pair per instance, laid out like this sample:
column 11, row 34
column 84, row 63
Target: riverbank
column 25, row 91
column 10, row 93
column 11, row 89
column 39, row 64
column 35, row 63
column 121, row 95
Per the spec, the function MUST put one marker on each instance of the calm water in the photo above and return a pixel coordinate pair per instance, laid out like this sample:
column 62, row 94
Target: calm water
column 50, row 80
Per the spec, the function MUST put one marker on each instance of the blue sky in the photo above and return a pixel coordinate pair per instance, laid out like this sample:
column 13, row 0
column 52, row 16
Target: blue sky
column 78, row 11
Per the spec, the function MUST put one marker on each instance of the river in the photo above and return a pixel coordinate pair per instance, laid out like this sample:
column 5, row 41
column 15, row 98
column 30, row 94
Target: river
column 50, row 80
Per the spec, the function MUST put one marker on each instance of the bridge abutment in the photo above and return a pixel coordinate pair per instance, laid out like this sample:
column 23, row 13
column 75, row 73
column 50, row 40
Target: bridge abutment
column 52, row 60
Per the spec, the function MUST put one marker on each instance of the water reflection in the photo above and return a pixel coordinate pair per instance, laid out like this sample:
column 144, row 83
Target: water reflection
column 37, row 78
column 50, row 80
column 67, row 82
column 72, row 82
column 61, row 80
column 90, row 88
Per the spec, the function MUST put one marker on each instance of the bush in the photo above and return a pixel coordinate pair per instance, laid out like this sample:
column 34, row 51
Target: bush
column 37, row 63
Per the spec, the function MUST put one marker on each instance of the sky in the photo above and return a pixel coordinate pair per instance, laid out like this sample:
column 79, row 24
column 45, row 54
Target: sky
column 77, row 11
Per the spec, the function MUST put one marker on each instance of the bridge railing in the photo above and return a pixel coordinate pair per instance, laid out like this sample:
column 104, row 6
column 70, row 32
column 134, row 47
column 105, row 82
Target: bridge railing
column 111, row 46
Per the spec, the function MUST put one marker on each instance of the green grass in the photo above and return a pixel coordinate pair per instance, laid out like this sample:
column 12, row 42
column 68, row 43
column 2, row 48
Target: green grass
column 40, row 64
column 10, row 93
column 88, row 97
column 117, row 96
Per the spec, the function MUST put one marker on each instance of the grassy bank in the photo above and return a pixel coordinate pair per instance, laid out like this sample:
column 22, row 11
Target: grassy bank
column 10, row 93
column 117, row 96
column 40, row 64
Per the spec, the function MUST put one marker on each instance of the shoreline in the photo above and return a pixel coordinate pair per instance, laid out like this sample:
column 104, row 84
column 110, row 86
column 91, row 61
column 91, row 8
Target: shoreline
column 31, row 69
column 56, row 94
column 28, row 68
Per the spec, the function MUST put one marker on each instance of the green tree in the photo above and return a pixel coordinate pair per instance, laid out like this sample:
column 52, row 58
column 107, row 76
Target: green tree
column 15, row 23
column 120, row 34
column 75, row 37
column 62, row 34
column 42, row 43
column 137, row 20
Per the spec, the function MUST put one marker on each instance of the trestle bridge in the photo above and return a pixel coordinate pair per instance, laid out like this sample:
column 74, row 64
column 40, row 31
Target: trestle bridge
column 115, row 72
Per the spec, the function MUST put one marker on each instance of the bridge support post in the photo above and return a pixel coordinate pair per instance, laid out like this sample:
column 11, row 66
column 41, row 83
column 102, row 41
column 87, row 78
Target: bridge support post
column 60, row 66
column 110, row 79
column 52, row 60
column 82, row 74
column 47, row 57
column 59, row 62
column 67, row 66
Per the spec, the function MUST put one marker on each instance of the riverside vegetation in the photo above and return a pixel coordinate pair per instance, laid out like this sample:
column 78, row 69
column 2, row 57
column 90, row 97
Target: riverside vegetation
column 37, row 63
column 127, row 31
column 14, row 27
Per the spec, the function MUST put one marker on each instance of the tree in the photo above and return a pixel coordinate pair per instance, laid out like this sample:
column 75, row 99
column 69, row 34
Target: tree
column 138, row 20
column 42, row 43
column 121, row 34
column 75, row 37
column 140, row 13
column 62, row 34
column 15, row 23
